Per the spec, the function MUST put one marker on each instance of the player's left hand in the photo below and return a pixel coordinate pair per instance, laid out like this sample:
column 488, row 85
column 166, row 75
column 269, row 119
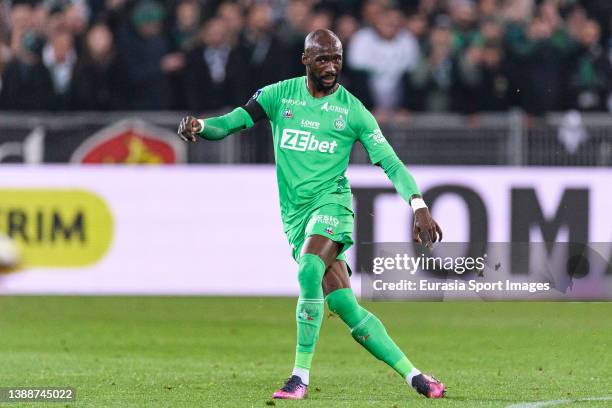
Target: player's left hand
column 426, row 230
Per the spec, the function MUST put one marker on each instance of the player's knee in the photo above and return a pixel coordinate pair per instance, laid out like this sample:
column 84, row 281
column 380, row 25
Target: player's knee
column 310, row 274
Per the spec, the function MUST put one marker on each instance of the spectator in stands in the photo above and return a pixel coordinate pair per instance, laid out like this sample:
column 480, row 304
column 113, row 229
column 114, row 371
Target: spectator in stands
column 386, row 52
column 75, row 16
column 292, row 31
column 354, row 79
column 186, row 25
column 232, row 15
column 575, row 22
column 5, row 51
column 372, row 10
column 590, row 76
column 417, row 25
column 320, row 20
column 430, row 86
column 27, row 30
column 464, row 23
column 50, row 16
column 601, row 12
column 517, row 11
column 215, row 71
column 98, row 82
column 346, row 27
column 541, row 62
column 263, row 51
column 149, row 57
column 266, row 58
column 488, row 9
column 484, row 76
column 60, row 57
column 5, row 57
column 491, row 31
column 543, row 43
column 26, row 82
column 485, row 79
column 113, row 12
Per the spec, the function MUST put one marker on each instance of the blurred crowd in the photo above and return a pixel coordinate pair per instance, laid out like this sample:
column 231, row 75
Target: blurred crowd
column 400, row 56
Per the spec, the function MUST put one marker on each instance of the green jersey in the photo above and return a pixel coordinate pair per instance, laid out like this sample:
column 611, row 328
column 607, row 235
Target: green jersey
column 313, row 139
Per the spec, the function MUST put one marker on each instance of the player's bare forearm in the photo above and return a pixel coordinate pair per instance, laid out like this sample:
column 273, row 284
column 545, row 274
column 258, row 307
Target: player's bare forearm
column 425, row 230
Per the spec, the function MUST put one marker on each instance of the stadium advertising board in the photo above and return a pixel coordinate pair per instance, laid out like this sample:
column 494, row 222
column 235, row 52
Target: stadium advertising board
column 130, row 142
column 56, row 227
column 124, row 141
column 217, row 229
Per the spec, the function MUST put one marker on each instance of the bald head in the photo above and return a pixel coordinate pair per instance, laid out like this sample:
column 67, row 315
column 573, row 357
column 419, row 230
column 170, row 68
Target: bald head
column 322, row 58
column 319, row 40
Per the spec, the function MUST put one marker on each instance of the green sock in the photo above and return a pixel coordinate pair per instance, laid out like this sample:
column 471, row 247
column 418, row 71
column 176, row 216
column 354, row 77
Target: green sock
column 368, row 331
column 309, row 310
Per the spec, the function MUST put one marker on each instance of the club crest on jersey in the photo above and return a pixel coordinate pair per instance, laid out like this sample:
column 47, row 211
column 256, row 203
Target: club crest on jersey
column 340, row 123
column 287, row 114
column 329, row 230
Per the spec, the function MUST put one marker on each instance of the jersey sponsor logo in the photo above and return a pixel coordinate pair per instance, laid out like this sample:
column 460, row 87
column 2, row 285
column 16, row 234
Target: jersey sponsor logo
column 377, row 136
column 310, row 124
column 287, row 114
column 302, row 141
column 327, row 220
column 289, row 101
column 340, row 123
column 333, row 108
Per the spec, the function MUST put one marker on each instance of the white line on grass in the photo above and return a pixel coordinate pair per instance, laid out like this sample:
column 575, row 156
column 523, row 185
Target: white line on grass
column 539, row 404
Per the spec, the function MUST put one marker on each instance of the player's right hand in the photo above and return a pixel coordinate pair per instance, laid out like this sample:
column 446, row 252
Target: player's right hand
column 189, row 128
column 426, row 230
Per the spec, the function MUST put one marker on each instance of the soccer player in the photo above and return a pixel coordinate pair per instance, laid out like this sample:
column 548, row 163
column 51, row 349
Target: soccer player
column 315, row 122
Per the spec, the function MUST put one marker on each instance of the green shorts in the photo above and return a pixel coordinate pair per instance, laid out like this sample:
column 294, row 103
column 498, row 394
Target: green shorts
column 333, row 221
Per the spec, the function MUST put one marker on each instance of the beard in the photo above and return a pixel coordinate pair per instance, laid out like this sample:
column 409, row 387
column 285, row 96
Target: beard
column 321, row 84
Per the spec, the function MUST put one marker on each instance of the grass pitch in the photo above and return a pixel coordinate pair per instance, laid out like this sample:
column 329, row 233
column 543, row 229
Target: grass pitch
column 233, row 352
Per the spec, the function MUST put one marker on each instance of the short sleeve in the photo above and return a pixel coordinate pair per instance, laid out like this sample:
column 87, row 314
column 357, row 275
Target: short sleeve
column 371, row 137
column 267, row 98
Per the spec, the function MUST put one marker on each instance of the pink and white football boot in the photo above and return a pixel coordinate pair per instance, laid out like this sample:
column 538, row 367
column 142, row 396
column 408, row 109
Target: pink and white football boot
column 428, row 386
column 294, row 389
